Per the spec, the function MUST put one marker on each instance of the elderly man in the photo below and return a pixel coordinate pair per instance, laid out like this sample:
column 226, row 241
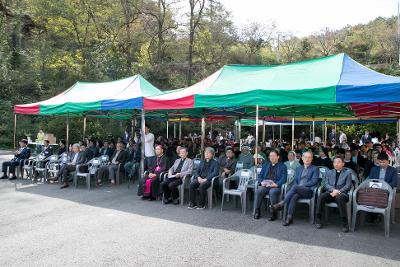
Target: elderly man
column 384, row 171
column 132, row 166
column 155, row 166
column 40, row 161
column 120, row 156
column 182, row 167
column 246, row 158
column 273, row 175
column 19, row 157
column 207, row 170
column 336, row 189
column 306, row 178
column 75, row 158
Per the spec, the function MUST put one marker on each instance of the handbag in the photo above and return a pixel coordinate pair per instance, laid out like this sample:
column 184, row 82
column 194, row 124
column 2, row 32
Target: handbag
column 373, row 197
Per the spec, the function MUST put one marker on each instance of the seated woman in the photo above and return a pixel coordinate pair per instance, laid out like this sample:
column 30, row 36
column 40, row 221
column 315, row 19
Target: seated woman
column 291, row 165
column 151, row 181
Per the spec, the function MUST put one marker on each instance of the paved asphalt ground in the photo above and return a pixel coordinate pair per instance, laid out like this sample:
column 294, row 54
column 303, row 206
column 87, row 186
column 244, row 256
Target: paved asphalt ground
column 41, row 225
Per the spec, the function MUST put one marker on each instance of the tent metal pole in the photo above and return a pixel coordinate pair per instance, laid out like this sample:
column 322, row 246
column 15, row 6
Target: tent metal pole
column 203, row 135
column 326, row 133
column 142, row 141
column 174, row 130
column 180, row 128
column 15, row 130
column 239, row 130
column 67, row 135
column 84, row 128
column 167, row 128
column 293, row 132
column 211, row 127
column 398, row 131
column 235, row 130
column 256, row 145
column 273, row 132
column 263, row 133
column 132, row 128
column 313, row 131
column 335, row 134
column 280, row 131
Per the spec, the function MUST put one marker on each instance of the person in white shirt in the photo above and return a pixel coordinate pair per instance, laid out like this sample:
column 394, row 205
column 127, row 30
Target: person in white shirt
column 148, row 143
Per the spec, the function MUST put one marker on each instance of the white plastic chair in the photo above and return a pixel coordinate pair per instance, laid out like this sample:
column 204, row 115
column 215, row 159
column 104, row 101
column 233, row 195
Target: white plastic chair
column 384, row 211
column 244, row 177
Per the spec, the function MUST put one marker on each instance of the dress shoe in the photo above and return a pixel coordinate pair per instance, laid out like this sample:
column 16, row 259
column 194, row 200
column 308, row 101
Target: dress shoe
column 273, row 217
column 345, row 228
column 257, row 214
column 288, row 221
column 12, row 178
column 167, row 201
column 64, row 186
column 277, row 207
column 318, row 223
column 192, row 206
column 4, row 177
column 175, row 201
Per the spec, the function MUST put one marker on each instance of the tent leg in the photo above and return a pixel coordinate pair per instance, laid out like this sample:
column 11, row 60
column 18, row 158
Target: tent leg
column 280, row 131
column 398, row 131
column 273, row 132
column 239, row 131
column 203, row 135
column 15, row 130
column 180, row 128
column 263, row 133
column 326, row 133
column 174, row 130
column 167, row 129
column 143, row 125
column 293, row 132
column 67, row 137
column 313, row 131
column 256, row 145
column 84, row 128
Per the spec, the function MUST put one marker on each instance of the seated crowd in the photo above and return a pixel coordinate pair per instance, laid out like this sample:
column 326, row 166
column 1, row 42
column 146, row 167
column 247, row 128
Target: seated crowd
column 169, row 163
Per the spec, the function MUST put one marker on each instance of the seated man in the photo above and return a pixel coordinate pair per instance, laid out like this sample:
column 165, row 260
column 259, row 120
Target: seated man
column 273, row 175
column 182, row 167
column 349, row 163
column 75, row 158
column 227, row 167
column 208, row 169
column 324, row 159
column 23, row 153
column 62, row 147
column 46, row 152
column 337, row 186
column 246, row 158
column 305, row 180
column 106, row 150
column 120, row 156
column 88, row 153
column 132, row 166
column 384, row 171
column 151, row 181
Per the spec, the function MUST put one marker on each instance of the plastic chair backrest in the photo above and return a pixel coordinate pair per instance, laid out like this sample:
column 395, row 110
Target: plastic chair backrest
column 384, row 185
column 196, row 163
column 239, row 166
column 104, row 159
column 64, row 158
column 244, row 177
column 354, row 176
column 53, row 158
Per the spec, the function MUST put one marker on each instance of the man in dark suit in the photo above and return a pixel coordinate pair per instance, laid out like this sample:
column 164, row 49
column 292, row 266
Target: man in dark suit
column 305, row 180
column 19, row 157
column 324, row 159
column 384, row 171
column 151, row 182
column 75, row 158
column 207, row 170
column 120, row 156
column 42, row 158
column 106, row 149
column 132, row 166
column 182, row 167
column 273, row 175
column 336, row 189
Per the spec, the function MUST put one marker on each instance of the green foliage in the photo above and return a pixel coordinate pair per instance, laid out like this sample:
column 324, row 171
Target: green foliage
column 47, row 45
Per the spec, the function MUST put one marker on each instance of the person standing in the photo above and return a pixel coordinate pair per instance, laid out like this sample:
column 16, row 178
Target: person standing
column 148, row 143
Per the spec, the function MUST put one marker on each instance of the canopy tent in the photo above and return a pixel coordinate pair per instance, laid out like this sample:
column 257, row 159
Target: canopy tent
column 124, row 94
column 337, row 82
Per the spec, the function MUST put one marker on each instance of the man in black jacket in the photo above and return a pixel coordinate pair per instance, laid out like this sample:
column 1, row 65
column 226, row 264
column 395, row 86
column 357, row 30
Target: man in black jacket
column 19, row 157
column 120, row 156
column 336, row 189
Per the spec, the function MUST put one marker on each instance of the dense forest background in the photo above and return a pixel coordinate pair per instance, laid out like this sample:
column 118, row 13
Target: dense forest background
column 46, row 46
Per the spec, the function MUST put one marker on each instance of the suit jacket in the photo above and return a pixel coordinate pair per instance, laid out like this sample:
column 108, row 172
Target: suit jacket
column 326, row 162
column 187, row 167
column 213, row 170
column 312, row 176
column 390, row 175
column 280, row 173
column 107, row 151
column 123, row 156
column 47, row 152
column 134, row 155
column 230, row 164
column 80, row 160
column 151, row 164
column 24, row 154
column 343, row 184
